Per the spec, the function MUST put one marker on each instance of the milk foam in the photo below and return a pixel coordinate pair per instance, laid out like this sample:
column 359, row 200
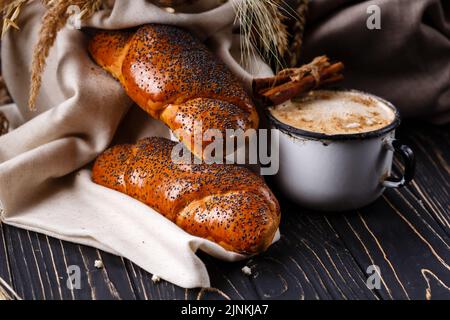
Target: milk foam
column 335, row 112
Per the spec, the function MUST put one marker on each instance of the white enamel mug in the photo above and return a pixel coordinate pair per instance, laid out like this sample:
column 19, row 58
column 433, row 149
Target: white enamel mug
column 339, row 172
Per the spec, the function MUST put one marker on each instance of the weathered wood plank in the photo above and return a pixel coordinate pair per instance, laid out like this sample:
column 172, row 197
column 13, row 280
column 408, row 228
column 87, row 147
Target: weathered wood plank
column 394, row 237
column 26, row 281
column 309, row 262
column 229, row 278
column 40, row 269
column 108, row 282
column 116, row 276
column 431, row 184
column 5, row 268
column 224, row 285
column 146, row 289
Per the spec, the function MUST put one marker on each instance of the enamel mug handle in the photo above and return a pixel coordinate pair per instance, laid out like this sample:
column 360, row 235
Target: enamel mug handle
column 409, row 161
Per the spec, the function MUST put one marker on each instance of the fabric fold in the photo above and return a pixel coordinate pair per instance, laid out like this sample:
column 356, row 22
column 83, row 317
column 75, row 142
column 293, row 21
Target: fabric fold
column 45, row 178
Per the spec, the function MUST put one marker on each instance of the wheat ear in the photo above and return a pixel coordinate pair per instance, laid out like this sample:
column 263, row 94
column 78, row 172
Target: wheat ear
column 295, row 47
column 262, row 29
column 53, row 21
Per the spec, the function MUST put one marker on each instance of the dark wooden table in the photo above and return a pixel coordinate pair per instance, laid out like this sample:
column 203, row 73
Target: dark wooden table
column 405, row 233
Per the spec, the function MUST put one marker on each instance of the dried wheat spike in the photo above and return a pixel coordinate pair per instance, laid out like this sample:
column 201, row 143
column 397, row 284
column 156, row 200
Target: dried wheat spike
column 6, row 292
column 262, row 29
column 295, row 47
column 53, row 21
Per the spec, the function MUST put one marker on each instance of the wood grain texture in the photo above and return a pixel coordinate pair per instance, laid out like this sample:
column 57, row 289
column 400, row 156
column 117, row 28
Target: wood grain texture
column 431, row 185
column 319, row 256
column 5, row 268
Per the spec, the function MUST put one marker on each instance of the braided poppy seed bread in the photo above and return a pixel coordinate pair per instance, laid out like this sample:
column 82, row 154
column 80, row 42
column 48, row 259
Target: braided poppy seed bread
column 166, row 70
column 227, row 204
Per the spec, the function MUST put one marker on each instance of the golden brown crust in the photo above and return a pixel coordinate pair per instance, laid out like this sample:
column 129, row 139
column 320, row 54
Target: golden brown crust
column 227, row 204
column 161, row 66
column 109, row 48
column 200, row 115
column 166, row 64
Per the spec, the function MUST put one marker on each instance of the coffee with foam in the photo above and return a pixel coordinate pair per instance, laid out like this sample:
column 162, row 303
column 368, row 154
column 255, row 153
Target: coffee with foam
column 335, row 112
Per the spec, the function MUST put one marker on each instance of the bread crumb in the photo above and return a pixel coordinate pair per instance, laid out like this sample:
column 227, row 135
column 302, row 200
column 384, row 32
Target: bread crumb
column 155, row 278
column 247, row 271
column 99, row 264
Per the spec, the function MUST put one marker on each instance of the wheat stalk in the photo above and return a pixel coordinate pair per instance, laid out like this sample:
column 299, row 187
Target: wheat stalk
column 6, row 292
column 263, row 30
column 11, row 10
column 294, row 52
column 53, row 21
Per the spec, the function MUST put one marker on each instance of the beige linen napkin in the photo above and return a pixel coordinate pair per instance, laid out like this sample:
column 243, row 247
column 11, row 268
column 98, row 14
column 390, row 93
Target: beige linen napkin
column 45, row 183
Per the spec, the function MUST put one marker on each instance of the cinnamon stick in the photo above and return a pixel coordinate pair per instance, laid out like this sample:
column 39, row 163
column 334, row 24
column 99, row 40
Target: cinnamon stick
column 292, row 82
column 290, row 74
column 288, row 90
